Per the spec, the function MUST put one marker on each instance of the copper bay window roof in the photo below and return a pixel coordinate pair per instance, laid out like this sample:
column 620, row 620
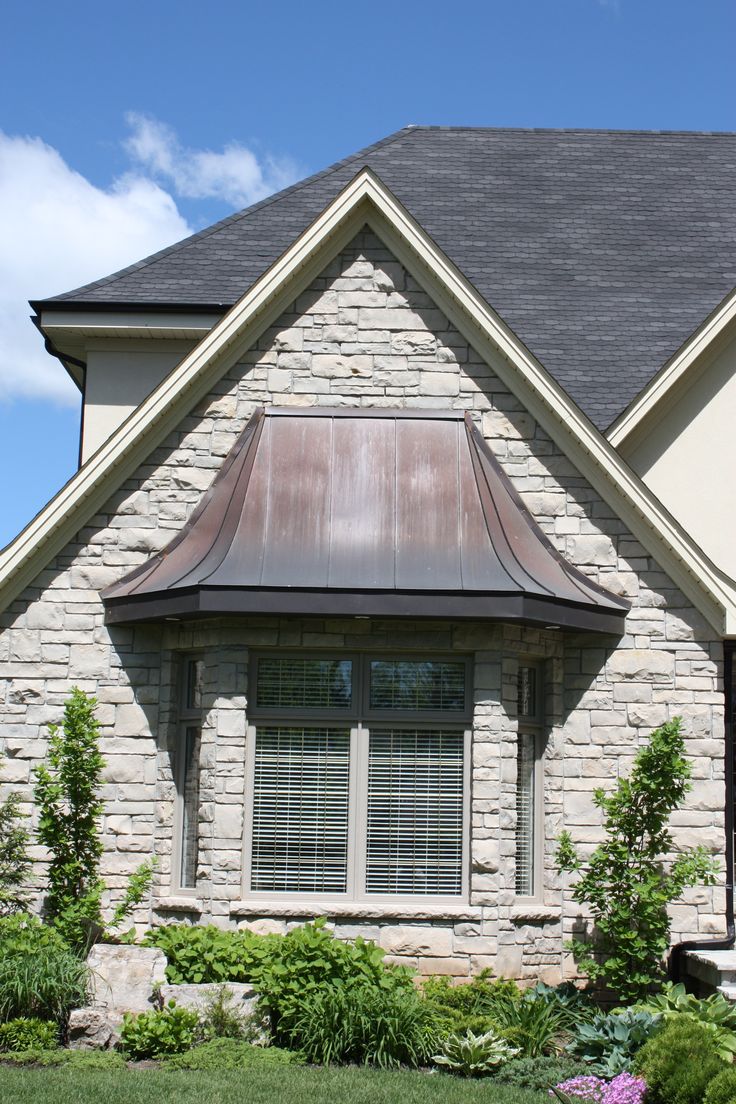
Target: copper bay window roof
column 384, row 513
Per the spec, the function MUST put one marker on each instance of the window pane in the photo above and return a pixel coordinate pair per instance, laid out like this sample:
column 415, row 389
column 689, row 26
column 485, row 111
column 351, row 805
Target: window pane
column 189, row 781
column 416, row 684
column 195, row 678
column 526, row 692
column 300, row 810
column 525, row 815
column 415, row 812
column 293, row 683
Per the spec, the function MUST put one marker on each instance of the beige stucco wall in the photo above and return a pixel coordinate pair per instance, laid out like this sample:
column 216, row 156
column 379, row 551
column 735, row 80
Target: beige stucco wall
column 685, row 451
column 120, row 375
column 366, row 335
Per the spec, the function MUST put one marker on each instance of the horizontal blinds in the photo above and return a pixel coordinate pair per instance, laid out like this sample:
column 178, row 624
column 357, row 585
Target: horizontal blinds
column 433, row 685
column 415, row 812
column 525, row 815
column 300, row 810
column 191, row 740
column 293, row 683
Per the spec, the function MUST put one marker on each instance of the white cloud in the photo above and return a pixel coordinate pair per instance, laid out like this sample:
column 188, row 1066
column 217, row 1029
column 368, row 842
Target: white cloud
column 59, row 231
column 236, row 175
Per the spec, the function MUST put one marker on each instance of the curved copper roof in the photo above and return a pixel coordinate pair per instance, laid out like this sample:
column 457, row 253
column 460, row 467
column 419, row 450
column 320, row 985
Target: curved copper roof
column 369, row 513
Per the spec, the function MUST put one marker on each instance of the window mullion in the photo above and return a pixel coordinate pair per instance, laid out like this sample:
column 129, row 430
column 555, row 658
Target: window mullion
column 360, row 810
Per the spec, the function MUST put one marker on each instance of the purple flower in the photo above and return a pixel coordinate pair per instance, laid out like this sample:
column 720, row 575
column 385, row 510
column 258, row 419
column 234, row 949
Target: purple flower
column 623, row 1089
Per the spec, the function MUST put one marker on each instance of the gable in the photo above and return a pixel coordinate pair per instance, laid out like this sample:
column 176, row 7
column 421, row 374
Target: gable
column 498, row 352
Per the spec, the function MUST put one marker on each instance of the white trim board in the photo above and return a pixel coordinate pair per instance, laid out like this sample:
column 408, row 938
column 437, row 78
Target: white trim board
column 674, row 372
column 367, row 200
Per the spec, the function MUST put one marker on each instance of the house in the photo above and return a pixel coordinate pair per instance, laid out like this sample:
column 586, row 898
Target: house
column 399, row 524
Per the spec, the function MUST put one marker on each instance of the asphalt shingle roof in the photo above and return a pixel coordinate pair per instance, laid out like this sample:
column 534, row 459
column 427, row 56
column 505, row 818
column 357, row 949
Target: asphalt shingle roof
column 603, row 250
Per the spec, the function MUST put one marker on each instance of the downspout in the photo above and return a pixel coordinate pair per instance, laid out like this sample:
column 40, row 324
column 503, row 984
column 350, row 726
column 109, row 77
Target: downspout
column 725, row 944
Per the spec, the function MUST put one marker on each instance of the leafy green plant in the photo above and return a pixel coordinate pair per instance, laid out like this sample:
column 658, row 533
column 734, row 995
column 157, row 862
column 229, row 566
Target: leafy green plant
column 459, row 1008
column 222, row 1019
column 717, row 1013
column 162, row 1031
column 232, row 1054
column 40, row 975
column 474, row 1055
column 203, row 954
column 363, row 1022
column 67, row 794
column 610, row 1041
column 533, row 1024
column 540, row 1074
column 679, row 1062
column 626, row 882
column 139, row 884
column 28, row 1032
column 722, row 1089
column 14, row 858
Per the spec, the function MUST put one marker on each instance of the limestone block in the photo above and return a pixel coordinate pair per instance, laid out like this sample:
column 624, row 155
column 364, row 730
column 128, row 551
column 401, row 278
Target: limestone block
column 264, row 926
column 124, row 768
column 341, row 367
column 485, row 855
column 417, row 940
column 439, row 383
column 641, row 665
column 414, row 344
column 123, row 978
column 92, row 1029
column 508, row 961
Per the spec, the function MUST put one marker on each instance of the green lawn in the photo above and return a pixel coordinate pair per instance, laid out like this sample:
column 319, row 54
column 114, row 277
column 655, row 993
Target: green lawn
column 288, row 1085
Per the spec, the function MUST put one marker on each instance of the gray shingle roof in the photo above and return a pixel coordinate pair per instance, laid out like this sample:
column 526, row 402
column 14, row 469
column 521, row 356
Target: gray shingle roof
column 603, row 250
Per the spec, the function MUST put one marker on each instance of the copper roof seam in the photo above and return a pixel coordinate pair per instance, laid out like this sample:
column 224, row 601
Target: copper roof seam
column 458, row 431
column 485, row 492
column 240, row 490
column 267, row 515
column 331, row 498
column 396, row 503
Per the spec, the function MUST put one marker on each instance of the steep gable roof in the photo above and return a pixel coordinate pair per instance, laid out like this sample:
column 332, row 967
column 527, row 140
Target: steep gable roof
column 602, row 250
column 366, row 201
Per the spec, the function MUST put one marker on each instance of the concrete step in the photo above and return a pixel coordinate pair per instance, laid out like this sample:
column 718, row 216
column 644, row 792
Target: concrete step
column 714, row 969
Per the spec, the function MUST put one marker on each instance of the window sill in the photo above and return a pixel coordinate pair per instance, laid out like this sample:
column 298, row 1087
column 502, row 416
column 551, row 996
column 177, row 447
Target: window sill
column 359, row 910
column 177, row 904
column 533, row 913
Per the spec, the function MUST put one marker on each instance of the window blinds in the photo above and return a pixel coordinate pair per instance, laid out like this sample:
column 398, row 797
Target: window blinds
column 190, row 751
column 525, row 814
column 300, row 810
column 415, row 812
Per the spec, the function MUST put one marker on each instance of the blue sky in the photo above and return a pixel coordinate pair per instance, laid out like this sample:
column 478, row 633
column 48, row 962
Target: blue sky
column 123, row 127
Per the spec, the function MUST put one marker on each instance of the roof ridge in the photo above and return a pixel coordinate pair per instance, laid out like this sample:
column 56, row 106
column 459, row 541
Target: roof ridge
column 630, row 132
column 208, row 231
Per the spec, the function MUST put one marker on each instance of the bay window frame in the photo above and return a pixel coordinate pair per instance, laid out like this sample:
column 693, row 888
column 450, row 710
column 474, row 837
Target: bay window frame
column 360, row 719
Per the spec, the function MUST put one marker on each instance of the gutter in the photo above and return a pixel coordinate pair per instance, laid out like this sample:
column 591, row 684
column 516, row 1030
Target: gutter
column 726, row 943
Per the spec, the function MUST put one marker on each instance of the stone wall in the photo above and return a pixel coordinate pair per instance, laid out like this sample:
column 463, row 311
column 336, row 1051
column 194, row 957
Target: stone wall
column 366, row 335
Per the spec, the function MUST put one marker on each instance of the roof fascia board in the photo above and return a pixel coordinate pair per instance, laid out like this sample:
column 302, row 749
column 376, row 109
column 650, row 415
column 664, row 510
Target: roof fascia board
column 683, row 364
column 364, row 198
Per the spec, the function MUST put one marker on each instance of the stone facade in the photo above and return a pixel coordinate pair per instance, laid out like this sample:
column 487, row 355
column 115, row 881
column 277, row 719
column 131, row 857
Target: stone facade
column 366, row 335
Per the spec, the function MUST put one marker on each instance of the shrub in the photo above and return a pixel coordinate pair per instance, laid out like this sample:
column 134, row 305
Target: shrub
column 717, row 1013
column 611, row 1041
column 27, row 1033
column 40, row 975
column 626, row 882
column 72, row 1059
column 722, row 1089
column 679, row 1062
column 222, row 1019
column 14, row 859
column 231, row 1054
column 204, row 954
column 540, row 1074
column 161, row 1031
column 67, row 795
column 459, row 1008
column 363, row 1023
column 474, row 1055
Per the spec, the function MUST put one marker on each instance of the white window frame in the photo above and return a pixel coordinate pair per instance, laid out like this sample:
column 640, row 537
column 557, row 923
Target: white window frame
column 534, row 726
column 359, row 718
column 187, row 716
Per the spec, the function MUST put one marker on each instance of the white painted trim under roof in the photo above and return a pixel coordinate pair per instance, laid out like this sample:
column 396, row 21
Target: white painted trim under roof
column 677, row 368
column 367, row 200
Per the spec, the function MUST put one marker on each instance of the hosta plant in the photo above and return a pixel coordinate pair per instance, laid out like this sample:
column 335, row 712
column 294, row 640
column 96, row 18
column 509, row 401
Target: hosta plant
column 474, row 1055
column 715, row 1012
column 611, row 1041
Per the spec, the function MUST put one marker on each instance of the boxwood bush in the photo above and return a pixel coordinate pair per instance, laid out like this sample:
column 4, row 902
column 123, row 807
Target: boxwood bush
column 679, row 1062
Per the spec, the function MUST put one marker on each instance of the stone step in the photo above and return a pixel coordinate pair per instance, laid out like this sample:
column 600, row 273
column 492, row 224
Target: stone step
column 715, row 969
